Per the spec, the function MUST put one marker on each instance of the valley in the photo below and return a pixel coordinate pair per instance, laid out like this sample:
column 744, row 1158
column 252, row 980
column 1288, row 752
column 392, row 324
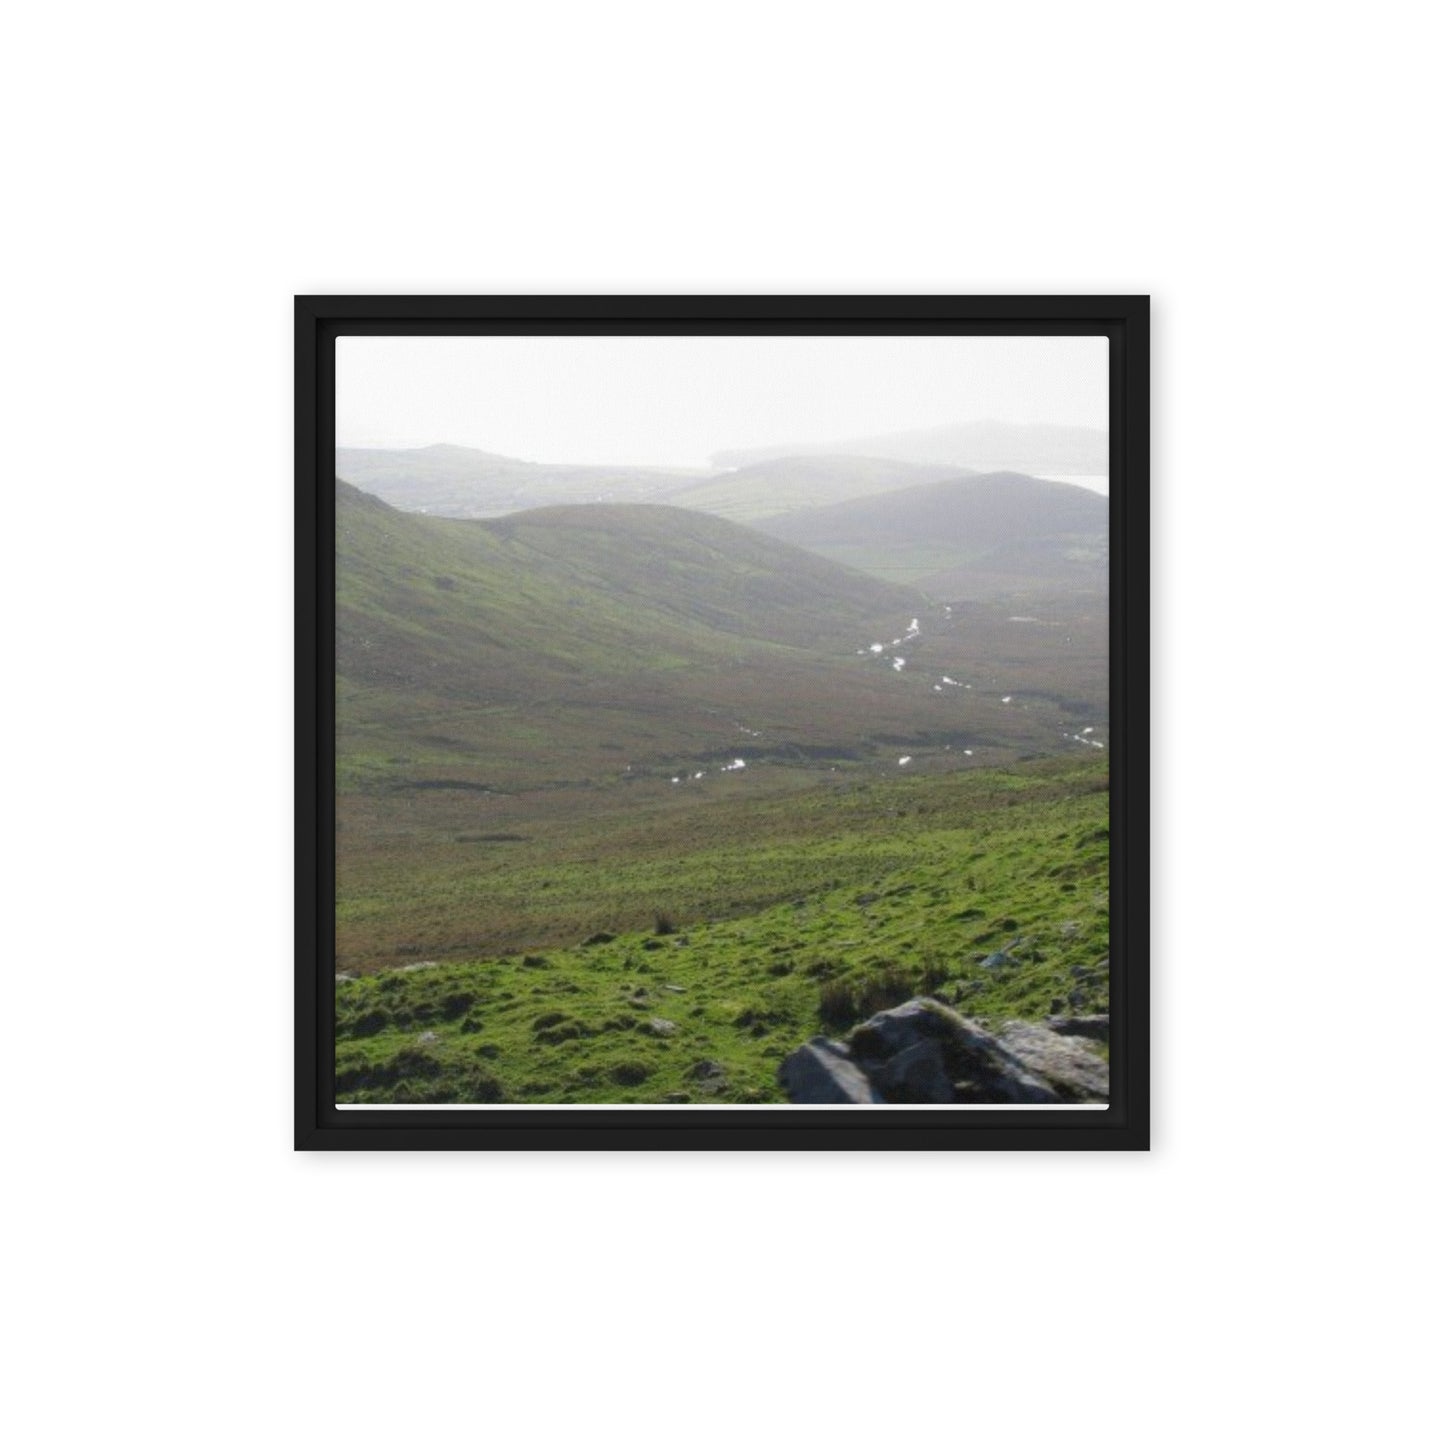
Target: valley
column 628, row 789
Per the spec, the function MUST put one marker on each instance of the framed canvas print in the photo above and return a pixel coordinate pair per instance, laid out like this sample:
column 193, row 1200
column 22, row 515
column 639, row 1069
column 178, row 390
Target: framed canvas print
column 722, row 722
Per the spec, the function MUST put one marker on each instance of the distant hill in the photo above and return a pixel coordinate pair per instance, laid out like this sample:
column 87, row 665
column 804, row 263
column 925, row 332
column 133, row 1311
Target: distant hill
column 965, row 537
column 799, row 483
column 542, row 640
column 984, row 446
column 452, row 481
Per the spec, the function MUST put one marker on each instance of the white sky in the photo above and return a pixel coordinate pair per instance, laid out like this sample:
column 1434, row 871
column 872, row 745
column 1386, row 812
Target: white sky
column 674, row 400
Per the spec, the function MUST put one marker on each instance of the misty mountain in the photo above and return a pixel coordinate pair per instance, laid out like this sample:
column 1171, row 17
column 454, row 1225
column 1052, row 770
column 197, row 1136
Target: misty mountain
column 453, row 481
column 798, row 483
column 984, row 446
column 965, row 537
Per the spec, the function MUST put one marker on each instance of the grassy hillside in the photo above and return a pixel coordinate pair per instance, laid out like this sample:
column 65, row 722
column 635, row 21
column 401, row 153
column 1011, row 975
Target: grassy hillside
column 631, row 799
column 492, row 607
column 787, row 485
column 735, row 936
column 540, row 647
column 965, row 537
column 452, row 481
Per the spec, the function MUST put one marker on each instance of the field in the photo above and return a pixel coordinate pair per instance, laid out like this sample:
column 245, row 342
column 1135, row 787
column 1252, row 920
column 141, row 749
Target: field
column 677, row 953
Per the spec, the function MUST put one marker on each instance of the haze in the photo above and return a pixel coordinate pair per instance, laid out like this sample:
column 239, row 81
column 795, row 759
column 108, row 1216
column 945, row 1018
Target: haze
column 674, row 401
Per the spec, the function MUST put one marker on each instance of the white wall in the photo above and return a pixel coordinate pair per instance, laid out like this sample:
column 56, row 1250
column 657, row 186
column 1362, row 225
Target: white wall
column 1267, row 171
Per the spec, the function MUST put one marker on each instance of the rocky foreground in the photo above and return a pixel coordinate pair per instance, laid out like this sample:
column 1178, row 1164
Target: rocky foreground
column 922, row 1052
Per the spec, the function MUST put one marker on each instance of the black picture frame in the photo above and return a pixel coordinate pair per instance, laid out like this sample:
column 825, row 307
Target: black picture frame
column 1124, row 1124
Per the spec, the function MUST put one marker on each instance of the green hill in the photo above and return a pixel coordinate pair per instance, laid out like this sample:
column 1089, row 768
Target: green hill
column 492, row 609
column 965, row 537
column 537, row 647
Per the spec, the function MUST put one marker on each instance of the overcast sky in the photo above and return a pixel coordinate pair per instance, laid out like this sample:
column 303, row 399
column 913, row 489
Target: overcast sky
column 661, row 400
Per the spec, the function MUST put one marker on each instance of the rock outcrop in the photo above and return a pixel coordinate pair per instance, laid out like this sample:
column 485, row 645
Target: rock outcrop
column 922, row 1052
column 822, row 1073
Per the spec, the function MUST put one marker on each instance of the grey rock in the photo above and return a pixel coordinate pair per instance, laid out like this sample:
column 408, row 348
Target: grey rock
column 1084, row 1026
column 922, row 1052
column 917, row 1075
column 662, row 1027
column 822, row 1073
column 1070, row 1066
column 998, row 960
column 971, row 1055
column 895, row 1029
column 431, row 1036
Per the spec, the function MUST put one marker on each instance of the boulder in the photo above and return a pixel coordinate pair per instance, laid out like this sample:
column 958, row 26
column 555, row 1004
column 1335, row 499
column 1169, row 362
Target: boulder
column 922, row 1052
column 1075, row 1071
column 971, row 1055
column 917, row 1075
column 821, row 1072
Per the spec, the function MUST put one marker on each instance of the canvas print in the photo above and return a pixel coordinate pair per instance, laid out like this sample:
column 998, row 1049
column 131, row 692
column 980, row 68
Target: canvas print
column 722, row 721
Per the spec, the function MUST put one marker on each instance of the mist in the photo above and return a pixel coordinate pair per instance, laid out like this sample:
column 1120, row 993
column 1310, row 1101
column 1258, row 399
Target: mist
column 676, row 401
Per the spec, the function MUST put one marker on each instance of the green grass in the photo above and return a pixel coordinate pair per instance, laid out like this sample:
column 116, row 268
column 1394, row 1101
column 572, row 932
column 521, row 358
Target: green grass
column 835, row 902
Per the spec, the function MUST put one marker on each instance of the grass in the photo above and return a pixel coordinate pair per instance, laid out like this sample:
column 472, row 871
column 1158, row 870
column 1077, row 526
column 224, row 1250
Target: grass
column 887, row 889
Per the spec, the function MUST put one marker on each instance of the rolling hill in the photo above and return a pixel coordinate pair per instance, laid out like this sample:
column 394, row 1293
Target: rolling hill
column 967, row 537
column 794, row 484
column 538, row 646
column 985, row 446
column 452, row 481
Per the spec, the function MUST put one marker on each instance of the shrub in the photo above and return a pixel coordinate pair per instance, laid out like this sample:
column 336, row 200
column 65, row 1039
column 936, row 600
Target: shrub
column 631, row 1072
column 454, row 1005
column 662, row 924
column 843, row 1001
column 836, row 1005
column 371, row 1022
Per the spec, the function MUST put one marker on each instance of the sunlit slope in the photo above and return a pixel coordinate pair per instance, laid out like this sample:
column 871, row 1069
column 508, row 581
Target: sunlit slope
column 556, row 977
